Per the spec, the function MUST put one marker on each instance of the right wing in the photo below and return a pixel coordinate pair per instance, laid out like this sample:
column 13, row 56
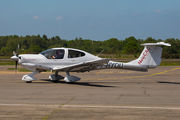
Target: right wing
column 82, row 66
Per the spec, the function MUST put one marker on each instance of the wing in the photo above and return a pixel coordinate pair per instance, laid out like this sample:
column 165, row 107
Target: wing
column 83, row 66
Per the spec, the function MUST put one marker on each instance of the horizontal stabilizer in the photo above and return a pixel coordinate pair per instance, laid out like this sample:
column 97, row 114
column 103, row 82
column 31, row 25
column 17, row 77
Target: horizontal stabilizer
column 158, row 43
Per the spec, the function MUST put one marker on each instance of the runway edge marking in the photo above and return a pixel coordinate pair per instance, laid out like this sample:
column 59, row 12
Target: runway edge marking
column 121, row 107
column 96, row 106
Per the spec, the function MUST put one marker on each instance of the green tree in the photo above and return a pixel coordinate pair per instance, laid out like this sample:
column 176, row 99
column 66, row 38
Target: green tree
column 57, row 38
column 131, row 48
column 35, row 49
column 131, row 38
column 112, row 45
column 150, row 40
column 45, row 37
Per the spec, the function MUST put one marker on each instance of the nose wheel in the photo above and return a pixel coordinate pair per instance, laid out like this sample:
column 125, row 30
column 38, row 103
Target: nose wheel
column 30, row 77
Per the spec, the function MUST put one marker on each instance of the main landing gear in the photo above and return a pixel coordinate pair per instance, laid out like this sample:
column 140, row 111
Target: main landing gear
column 71, row 79
column 68, row 79
column 54, row 77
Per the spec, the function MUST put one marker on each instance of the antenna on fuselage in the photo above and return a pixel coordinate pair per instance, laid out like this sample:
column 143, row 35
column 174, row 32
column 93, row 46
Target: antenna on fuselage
column 101, row 52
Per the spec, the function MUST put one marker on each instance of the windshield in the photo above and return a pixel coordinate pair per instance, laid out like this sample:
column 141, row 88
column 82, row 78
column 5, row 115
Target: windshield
column 53, row 54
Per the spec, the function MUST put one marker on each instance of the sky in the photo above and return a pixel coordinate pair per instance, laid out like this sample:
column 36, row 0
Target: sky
column 91, row 19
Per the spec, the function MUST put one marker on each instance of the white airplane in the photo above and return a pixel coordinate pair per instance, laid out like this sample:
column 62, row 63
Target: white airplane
column 74, row 60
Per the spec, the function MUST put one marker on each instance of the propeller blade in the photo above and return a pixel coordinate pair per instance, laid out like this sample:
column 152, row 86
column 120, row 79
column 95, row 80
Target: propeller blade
column 16, row 66
column 14, row 53
column 17, row 51
column 16, row 58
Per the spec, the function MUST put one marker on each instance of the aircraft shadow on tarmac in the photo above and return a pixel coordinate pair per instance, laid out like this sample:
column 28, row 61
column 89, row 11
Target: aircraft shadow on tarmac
column 168, row 82
column 76, row 83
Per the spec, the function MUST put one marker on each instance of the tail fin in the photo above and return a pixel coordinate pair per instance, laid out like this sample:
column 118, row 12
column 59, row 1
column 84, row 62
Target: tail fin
column 151, row 55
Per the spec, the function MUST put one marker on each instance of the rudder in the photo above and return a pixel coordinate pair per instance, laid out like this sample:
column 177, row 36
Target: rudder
column 151, row 55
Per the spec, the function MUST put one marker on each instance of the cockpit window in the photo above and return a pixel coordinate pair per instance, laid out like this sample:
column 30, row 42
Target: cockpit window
column 74, row 54
column 53, row 54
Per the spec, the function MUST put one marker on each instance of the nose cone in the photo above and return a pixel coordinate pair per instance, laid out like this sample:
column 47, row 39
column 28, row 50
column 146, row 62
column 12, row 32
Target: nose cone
column 14, row 58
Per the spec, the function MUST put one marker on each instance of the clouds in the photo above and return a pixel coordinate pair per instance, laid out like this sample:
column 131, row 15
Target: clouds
column 59, row 18
column 167, row 11
column 158, row 11
column 137, row 14
column 37, row 18
column 41, row 18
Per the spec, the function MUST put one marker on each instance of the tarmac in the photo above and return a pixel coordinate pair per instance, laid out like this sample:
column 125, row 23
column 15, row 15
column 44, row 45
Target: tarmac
column 103, row 94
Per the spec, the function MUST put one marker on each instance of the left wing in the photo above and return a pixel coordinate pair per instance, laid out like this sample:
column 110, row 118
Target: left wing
column 82, row 66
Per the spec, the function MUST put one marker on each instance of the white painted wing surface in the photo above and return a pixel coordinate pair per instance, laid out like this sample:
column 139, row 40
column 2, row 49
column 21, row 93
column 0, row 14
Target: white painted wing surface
column 82, row 66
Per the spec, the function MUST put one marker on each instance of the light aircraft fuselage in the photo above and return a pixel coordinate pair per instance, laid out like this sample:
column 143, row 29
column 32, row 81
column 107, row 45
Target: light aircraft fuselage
column 74, row 60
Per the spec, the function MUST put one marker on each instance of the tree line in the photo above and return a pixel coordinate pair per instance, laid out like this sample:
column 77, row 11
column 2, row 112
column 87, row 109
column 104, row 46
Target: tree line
column 37, row 44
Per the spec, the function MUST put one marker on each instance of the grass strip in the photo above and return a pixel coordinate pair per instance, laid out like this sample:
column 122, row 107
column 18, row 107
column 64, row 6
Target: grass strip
column 5, row 62
column 170, row 63
column 19, row 69
column 5, row 57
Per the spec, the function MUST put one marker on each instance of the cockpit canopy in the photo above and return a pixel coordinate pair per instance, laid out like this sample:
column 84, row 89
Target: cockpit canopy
column 53, row 53
column 60, row 53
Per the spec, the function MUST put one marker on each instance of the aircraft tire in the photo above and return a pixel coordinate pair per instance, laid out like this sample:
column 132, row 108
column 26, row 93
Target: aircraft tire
column 28, row 81
column 71, row 82
column 55, row 81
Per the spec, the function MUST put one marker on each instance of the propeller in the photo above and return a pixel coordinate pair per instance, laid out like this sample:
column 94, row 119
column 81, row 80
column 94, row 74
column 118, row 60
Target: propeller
column 17, row 51
column 16, row 58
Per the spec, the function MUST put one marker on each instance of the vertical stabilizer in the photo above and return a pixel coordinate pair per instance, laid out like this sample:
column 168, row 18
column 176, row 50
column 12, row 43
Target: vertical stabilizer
column 151, row 55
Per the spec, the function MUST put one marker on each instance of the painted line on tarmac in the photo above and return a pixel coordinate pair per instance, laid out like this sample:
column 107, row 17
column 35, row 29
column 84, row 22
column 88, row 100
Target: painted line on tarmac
column 142, row 75
column 13, row 72
column 29, row 105
column 111, row 73
column 122, row 107
column 93, row 106
column 98, row 73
